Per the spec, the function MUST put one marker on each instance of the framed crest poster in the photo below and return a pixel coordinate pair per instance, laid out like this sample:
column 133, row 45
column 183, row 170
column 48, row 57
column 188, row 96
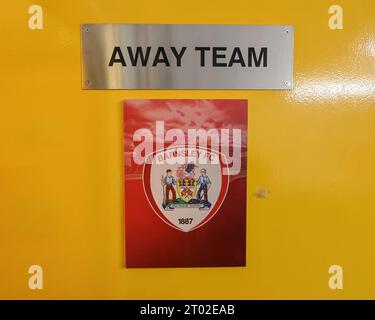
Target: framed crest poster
column 185, row 183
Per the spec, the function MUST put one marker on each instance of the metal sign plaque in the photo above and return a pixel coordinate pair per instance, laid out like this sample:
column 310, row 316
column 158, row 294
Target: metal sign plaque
column 140, row 56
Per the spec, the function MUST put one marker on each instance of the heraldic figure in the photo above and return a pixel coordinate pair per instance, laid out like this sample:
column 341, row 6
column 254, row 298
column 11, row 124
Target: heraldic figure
column 168, row 182
column 204, row 183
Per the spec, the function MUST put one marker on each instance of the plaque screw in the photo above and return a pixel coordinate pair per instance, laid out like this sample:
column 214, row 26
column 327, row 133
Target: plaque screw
column 287, row 83
column 87, row 82
column 87, row 29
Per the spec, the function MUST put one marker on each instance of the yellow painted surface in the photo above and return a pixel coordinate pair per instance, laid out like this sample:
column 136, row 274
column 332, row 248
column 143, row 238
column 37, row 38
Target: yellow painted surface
column 313, row 148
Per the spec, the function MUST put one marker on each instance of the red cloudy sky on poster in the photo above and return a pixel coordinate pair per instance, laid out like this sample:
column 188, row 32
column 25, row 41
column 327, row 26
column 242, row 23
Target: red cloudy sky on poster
column 150, row 242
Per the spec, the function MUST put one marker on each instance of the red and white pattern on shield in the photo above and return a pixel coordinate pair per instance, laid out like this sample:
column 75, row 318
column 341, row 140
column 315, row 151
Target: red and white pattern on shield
column 190, row 210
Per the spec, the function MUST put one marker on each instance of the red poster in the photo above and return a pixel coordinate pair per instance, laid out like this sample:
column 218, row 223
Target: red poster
column 185, row 183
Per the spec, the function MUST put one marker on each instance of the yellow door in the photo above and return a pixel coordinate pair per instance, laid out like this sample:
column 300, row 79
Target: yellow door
column 311, row 154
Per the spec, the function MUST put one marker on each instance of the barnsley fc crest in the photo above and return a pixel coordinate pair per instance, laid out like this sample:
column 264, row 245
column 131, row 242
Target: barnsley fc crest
column 186, row 186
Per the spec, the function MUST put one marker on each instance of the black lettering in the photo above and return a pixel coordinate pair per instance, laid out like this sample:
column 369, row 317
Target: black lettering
column 216, row 56
column 163, row 59
column 262, row 56
column 120, row 59
column 202, row 51
column 233, row 59
column 138, row 54
column 178, row 55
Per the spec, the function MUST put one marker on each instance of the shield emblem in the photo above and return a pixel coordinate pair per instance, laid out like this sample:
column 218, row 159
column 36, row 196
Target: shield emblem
column 187, row 189
column 186, row 186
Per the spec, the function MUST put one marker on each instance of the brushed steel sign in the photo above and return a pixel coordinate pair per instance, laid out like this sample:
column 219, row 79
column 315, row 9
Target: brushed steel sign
column 140, row 56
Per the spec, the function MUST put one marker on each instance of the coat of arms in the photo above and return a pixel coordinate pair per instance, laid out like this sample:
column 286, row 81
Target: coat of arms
column 191, row 181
